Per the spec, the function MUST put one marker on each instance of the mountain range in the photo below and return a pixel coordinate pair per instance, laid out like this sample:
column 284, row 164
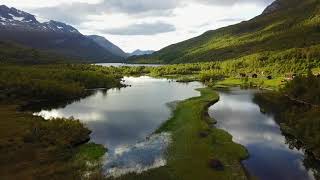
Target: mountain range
column 115, row 49
column 284, row 25
column 23, row 28
column 139, row 52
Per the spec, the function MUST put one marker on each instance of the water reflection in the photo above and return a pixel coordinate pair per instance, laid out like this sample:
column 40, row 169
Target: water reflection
column 129, row 65
column 270, row 156
column 136, row 158
column 121, row 118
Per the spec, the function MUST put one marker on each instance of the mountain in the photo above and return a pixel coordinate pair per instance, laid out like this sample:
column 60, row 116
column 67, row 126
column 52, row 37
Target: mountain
column 284, row 25
column 139, row 52
column 109, row 46
column 23, row 28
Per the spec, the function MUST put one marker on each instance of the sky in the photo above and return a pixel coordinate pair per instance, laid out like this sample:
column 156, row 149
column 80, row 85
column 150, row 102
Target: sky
column 143, row 24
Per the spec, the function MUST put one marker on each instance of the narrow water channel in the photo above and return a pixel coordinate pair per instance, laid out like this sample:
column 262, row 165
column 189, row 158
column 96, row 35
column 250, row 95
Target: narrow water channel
column 270, row 156
column 123, row 120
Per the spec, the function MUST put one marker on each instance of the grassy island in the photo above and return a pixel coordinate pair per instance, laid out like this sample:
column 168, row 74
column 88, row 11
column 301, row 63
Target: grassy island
column 195, row 143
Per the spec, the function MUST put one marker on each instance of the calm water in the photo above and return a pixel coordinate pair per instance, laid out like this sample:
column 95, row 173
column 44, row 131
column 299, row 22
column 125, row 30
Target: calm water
column 122, row 119
column 130, row 65
column 270, row 157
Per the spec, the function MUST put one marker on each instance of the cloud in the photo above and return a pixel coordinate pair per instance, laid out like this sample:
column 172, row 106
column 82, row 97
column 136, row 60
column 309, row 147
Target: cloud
column 74, row 13
column 78, row 12
column 230, row 20
column 233, row 2
column 140, row 6
column 142, row 29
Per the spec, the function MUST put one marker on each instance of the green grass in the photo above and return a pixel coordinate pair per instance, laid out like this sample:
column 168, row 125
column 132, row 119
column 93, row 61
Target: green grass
column 32, row 148
column 230, row 82
column 273, row 84
column 91, row 152
column 189, row 154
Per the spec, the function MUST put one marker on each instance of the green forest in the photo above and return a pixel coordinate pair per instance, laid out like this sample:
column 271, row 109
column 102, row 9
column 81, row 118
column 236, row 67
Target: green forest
column 54, row 82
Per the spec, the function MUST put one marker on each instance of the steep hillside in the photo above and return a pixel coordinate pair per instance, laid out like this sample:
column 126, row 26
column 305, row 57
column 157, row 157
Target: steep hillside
column 109, row 46
column 23, row 28
column 284, row 25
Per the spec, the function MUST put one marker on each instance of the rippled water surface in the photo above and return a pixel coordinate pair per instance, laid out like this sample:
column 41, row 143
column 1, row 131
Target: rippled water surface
column 123, row 120
column 270, row 156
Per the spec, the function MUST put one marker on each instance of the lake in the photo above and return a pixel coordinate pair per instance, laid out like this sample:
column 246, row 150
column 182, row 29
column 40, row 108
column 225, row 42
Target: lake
column 129, row 65
column 271, row 158
column 124, row 119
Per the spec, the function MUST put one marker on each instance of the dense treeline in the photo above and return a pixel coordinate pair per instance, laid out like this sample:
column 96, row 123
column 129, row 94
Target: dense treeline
column 304, row 88
column 298, row 61
column 54, row 82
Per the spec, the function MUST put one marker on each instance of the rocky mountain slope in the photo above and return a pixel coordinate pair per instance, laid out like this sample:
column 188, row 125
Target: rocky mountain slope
column 23, row 28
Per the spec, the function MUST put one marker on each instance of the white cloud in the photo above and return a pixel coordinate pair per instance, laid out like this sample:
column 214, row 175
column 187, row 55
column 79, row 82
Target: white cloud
column 142, row 29
column 144, row 24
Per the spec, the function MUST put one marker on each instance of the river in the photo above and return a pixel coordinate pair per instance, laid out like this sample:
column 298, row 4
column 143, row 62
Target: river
column 271, row 158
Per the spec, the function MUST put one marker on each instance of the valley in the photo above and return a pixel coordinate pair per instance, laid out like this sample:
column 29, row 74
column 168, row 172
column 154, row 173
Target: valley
column 238, row 102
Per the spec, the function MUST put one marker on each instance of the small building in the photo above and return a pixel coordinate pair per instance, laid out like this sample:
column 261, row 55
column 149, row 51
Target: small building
column 243, row 75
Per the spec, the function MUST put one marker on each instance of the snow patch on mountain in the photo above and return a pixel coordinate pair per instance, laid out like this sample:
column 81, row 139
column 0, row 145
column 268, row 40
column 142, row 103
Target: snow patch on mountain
column 16, row 18
column 13, row 18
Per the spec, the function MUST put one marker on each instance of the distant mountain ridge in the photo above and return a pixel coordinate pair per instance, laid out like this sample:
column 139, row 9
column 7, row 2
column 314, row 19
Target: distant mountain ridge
column 23, row 28
column 139, row 52
column 284, row 25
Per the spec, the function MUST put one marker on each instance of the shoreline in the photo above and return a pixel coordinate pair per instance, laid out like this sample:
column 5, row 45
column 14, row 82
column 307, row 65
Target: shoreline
column 196, row 142
column 213, row 123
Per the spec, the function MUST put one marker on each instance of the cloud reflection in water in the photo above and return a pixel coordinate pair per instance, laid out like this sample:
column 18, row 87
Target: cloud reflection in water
column 270, row 156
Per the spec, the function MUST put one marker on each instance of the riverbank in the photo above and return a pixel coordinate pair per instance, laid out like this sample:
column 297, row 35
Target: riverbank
column 33, row 148
column 197, row 145
column 297, row 120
